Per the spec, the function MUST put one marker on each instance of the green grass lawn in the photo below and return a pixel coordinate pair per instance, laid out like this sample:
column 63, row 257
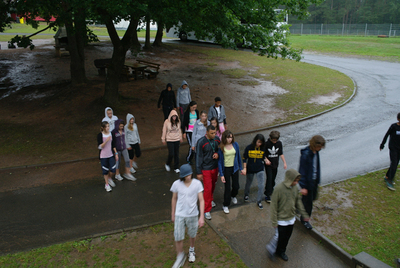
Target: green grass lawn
column 27, row 29
column 369, row 222
column 374, row 47
column 149, row 247
column 301, row 80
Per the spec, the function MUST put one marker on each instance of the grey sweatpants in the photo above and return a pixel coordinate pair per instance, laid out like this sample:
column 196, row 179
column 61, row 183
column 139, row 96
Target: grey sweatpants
column 125, row 155
column 260, row 182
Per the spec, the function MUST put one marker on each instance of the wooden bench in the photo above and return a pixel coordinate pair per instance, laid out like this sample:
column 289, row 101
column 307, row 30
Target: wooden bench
column 101, row 65
column 152, row 70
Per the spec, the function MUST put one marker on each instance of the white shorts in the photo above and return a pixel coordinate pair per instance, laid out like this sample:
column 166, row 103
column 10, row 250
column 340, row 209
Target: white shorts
column 180, row 225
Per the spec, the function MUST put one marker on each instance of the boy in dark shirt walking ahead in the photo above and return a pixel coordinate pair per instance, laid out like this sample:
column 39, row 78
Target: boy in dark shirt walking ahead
column 394, row 152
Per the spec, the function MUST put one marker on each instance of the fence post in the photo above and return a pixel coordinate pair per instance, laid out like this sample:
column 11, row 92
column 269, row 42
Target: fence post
column 390, row 30
column 301, row 31
column 321, row 27
column 342, row 29
column 365, row 29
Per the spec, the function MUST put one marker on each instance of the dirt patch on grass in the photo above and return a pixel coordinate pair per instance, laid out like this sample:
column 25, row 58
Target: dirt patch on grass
column 149, row 247
column 324, row 100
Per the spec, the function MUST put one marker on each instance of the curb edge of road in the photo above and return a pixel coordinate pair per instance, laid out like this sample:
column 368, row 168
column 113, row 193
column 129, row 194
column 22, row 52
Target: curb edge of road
column 236, row 134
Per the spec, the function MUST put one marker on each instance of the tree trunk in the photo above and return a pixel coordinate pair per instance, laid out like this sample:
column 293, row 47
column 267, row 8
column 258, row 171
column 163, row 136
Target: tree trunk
column 135, row 44
column 158, row 40
column 76, row 45
column 147, row 41
column 120, row 46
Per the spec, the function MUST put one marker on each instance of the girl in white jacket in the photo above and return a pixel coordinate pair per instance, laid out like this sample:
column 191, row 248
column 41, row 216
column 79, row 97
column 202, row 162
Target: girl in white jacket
column 132, row 141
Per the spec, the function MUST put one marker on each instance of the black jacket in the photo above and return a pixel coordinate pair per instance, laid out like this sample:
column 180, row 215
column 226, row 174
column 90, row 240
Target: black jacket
column 167, row 98
column 186, row 117
column 394, row 141
column 205, row 152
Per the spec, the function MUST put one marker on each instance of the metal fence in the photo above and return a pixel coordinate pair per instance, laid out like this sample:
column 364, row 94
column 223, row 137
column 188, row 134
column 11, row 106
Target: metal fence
column 347, row 29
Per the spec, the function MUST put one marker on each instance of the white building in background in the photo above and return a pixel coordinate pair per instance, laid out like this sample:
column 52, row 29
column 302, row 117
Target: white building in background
column 123, row 25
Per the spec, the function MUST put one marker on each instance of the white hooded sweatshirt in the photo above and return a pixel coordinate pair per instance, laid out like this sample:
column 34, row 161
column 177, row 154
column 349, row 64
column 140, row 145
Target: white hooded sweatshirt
column 111, row 121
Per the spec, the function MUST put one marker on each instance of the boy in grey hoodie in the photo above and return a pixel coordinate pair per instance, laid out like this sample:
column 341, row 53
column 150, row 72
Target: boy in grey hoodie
column 183, row 97
column 110, row 118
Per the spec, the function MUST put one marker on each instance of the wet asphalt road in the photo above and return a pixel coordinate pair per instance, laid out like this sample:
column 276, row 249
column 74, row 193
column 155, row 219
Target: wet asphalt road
column 55, row 213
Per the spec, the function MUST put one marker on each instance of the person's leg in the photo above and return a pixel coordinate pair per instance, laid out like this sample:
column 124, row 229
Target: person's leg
column 176, row 154
column 308, row 201
column 118, row 162
column 189, row 156
column 170, row 146
column 227, row 192
column 105, row 168
column 131, row 154
column 284, row 233
column 137, row 153
column 207, row 183
column 125, row 155
column 214, row 178
column 268, row 184
column 166, row 111
column 235, row 184
column 179, row 235
column 249, row 181
column 394, row 162
column 192, row 225
column 261, row 184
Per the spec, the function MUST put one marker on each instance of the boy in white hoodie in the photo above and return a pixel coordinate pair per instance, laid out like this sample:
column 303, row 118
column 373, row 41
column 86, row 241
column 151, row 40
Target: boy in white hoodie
column 132, row 141
column 110, row 118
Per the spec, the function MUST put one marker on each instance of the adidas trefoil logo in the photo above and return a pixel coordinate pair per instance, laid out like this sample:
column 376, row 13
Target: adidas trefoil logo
column 273, row 152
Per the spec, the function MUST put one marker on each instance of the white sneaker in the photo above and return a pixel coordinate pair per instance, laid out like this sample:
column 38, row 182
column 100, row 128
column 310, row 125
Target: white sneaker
column 167, row 168
column 192, row 256
column 129, row 177
column 213, row 204
column 234, row 200
column 180, row 260
column 134, row 164
column 207, row 215
column 119, row 177
column 108, row 188
column 226, row 209
column 111, row 182
column 177, row 170
column 132, row 170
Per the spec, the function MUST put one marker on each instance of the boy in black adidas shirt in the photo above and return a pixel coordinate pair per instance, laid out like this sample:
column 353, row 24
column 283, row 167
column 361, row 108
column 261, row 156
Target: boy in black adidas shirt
column 273, row 149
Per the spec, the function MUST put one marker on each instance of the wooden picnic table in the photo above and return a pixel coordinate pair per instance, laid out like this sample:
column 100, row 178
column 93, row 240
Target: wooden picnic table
column 137, row 69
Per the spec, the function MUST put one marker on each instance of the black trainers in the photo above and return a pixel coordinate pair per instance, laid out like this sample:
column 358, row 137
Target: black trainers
column 307, row 225
column 246, row 198
column 260, row 206
column 268, row 199
column 283, row 256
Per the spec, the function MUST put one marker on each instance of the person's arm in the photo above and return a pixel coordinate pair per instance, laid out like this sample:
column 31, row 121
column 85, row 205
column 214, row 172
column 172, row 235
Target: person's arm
column 221, row 165
column 245, row 157
column 194, row 134
column 304, row 174
column 274, row 208
column 385, row 138
column 160, row 99
column 128, row 145
column 190, row 97
column 210, row 113
column 137, row 132
column 284, row 161
column 173, row 205
column 199, row 160
column 300, row 207
column 177, row 98
column 224, row 116
column 173, row 99
column 238, row 158
column 164, row 132
column 201, row 204
column 114, row 147
column 100, row 142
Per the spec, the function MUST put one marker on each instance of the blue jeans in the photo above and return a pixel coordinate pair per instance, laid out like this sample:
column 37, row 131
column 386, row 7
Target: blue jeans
column 260, row 182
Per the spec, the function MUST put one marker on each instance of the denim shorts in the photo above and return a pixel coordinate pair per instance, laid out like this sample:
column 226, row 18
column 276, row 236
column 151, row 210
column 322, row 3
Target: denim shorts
column 108, row 165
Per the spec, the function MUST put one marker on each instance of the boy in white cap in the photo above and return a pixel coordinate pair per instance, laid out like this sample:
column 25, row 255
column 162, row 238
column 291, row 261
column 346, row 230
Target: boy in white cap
column 185, row 213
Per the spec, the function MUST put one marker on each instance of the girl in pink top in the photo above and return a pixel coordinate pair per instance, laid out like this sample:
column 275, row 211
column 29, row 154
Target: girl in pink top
column 172, row 137
column 107, row 151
